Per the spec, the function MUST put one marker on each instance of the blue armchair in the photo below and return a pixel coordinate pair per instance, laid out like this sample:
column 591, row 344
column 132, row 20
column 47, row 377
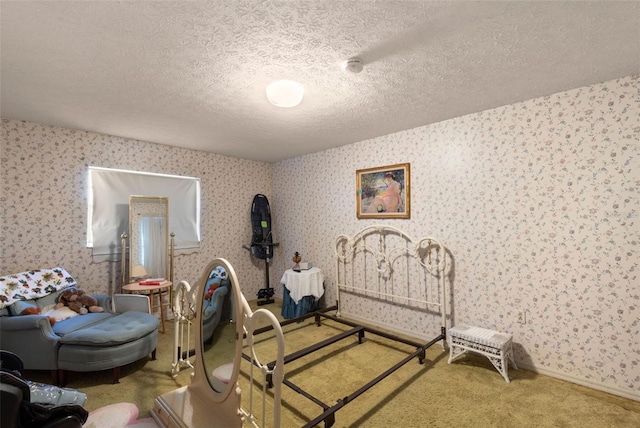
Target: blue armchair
column 216, row 291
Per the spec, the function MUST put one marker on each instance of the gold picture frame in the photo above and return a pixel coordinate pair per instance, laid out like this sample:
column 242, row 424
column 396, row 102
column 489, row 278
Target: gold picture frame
column 383, row 192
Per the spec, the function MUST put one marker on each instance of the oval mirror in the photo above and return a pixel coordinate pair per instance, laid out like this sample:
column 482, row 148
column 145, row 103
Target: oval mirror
column 219, row 337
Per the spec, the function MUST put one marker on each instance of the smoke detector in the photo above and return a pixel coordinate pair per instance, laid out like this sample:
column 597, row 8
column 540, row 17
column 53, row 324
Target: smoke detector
column 352, row 65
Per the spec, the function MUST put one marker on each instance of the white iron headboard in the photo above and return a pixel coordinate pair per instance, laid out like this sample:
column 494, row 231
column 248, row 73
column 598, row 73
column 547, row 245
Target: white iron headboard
column 385, row 264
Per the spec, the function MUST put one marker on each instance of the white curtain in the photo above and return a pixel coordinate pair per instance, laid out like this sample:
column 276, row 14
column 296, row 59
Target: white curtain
column 153, row 240
column 108, row 199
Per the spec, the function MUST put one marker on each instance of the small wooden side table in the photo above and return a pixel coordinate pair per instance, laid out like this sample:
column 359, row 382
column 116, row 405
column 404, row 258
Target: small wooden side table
column 157, row 290
column 496, row 346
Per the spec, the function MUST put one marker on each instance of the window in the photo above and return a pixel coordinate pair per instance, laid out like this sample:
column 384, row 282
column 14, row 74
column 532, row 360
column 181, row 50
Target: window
column 108, row 208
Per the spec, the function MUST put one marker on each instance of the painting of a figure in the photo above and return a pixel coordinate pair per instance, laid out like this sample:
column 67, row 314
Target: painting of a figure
column 383, row 192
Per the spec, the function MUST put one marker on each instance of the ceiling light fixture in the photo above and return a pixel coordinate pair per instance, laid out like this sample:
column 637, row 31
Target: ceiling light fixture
column 285, row 93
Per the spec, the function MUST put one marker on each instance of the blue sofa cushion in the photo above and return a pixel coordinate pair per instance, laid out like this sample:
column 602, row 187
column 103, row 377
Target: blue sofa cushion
column 80, row 322
column 122, row 328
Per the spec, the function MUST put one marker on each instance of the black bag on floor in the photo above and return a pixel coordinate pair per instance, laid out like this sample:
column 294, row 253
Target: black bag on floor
column 17, row 409
column 36, row 415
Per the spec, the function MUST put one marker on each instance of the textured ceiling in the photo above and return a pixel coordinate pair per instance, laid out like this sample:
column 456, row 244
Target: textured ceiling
column 193, row 73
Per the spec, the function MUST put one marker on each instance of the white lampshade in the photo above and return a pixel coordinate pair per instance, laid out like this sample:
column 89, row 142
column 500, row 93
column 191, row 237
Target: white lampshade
column 138, row 271
column 285, row 93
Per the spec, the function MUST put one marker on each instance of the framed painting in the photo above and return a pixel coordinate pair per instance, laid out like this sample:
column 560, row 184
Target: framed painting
column 383, row 192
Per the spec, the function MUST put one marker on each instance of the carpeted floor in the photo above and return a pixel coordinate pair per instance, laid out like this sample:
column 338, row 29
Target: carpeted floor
column 468, row 393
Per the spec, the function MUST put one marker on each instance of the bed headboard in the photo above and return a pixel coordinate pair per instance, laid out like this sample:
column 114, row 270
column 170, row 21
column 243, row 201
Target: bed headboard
column 385, row 277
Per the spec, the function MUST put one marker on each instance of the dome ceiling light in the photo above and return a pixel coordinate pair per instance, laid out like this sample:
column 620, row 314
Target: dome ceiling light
column 285, row 93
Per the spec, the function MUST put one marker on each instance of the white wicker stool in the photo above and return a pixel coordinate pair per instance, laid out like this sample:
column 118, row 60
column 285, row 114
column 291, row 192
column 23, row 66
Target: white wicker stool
column 496, row 346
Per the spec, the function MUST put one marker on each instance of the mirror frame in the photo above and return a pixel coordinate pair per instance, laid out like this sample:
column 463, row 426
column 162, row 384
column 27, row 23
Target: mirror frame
column 200, row 383
column 158, row 205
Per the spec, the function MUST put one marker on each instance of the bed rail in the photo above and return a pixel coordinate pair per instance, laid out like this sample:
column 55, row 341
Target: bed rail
column 380, row 264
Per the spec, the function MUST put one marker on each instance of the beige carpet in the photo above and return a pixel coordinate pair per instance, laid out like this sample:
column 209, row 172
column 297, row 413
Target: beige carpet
column 467, row 393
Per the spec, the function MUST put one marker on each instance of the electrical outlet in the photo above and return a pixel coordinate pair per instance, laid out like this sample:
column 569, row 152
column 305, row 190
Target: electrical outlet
column 522, row 318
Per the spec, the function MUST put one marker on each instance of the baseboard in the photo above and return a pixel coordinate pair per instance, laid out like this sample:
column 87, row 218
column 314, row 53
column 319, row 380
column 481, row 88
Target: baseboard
column 584, row 382
column 544, row 371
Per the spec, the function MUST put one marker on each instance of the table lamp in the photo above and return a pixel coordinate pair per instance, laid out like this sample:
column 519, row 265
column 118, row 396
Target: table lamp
column 137, row 273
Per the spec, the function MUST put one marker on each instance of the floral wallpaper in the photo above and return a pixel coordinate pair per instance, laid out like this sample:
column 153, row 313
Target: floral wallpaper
column 44, row 202
column 537, row 203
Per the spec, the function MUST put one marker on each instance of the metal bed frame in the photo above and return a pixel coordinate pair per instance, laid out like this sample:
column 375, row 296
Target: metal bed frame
column 421, row 286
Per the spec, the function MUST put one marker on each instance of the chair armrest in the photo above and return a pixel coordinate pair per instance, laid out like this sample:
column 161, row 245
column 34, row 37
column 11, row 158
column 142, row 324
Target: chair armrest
column 104, row 301
column 219, row 293
column 131, row 302
column 22, row 334
column 27, row 322
column 217, row 297
column 209, row 311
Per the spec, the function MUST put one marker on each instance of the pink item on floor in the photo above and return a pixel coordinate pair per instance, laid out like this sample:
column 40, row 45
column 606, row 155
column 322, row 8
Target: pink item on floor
column 118, row 415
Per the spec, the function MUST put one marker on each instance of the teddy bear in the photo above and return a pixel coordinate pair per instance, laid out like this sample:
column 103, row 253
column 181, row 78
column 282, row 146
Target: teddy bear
column 78, row 301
